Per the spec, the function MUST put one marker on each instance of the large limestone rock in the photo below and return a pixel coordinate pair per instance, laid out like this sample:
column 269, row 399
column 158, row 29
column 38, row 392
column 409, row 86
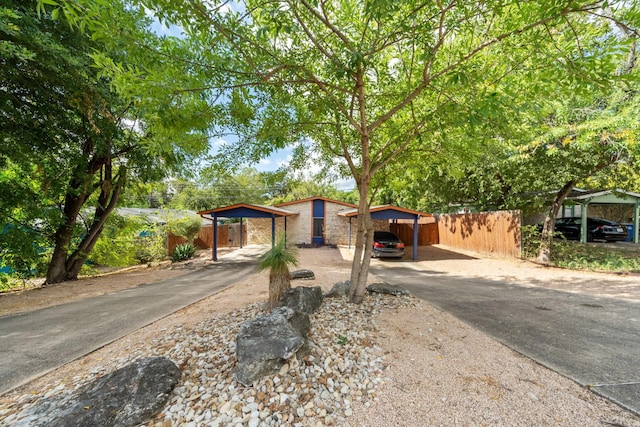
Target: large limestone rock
column 265, row 343
column 386, row 288
column 306, row 300
column 340, row 289
column 302, row 274
column 126, row 397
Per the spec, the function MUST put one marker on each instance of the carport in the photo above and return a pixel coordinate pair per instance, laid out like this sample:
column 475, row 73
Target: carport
column 390, row 212
column 605, row 197
column 242, row 211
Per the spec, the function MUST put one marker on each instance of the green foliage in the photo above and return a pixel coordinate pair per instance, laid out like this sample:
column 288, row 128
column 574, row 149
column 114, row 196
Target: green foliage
column 128, row 240
column 151, row 247
column 24, row 251
column 579, row 256
column 342, row 340
column 72, row 138
column 187, row 227
column 531, row 241
column 596, row 257
column 278, row 258
column 183, row 252
column 368, row 85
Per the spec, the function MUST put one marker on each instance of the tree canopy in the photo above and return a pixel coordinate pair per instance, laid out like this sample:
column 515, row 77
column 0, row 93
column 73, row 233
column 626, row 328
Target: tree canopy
column 70, row 143
column 366, row 83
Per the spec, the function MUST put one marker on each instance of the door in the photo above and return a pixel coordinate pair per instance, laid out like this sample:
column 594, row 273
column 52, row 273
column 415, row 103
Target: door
column 317, row 237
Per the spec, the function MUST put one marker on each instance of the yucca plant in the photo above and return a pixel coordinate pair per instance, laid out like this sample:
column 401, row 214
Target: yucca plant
column 277, row 260
column 183, row 252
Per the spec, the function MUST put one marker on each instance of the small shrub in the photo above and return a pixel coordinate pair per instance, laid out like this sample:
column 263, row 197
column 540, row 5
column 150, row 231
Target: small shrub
column 342, row 340
column 599, row 257
column 531, row 241
column 277, row 260
column 185, row 227
column 151, row 246
column 183, row 252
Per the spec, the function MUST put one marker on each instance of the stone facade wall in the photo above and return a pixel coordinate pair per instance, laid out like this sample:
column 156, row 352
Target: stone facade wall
column 259, row 230
column 300, row 227
column 336, row 228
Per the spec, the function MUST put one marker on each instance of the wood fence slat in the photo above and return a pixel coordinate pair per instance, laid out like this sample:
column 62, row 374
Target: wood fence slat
column 493, row 233
column 427, row 233
column 227, row 237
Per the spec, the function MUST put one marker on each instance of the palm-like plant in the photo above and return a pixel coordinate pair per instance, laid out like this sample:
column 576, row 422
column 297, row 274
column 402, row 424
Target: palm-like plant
column 278, row 259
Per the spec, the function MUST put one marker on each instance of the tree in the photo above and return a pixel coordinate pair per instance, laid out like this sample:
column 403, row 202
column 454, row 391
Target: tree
column 277, row 260
column 70, row 143
column 368, row 81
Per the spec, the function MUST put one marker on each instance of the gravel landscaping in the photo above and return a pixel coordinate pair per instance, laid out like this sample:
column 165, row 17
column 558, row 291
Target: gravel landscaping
column 389, row 361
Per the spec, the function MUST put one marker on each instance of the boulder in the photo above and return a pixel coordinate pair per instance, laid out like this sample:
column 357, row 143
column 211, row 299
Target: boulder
column 126, row 397
column 304, row 299
column 302, row 274
column 340, row 289
column 386, row 288
column 265, row 343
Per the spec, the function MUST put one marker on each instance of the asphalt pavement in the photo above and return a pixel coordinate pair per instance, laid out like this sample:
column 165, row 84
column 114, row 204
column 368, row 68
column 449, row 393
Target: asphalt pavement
column 35, row 342
column 594, row 341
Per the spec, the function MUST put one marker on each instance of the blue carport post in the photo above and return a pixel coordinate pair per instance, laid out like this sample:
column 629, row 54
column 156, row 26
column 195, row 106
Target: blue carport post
column 215, row 237
column 415, row 237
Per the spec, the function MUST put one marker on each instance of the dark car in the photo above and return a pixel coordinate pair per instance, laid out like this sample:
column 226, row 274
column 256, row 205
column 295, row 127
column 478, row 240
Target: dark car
column 387, row 245
column 597, row 229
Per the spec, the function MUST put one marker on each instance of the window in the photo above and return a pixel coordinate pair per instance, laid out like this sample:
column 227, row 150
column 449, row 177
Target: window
column 318, row 227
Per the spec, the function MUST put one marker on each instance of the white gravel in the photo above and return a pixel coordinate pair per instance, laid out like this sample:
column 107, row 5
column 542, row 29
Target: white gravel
column 388, row 362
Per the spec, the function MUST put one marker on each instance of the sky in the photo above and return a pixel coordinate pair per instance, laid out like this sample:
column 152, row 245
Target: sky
column 276, row 160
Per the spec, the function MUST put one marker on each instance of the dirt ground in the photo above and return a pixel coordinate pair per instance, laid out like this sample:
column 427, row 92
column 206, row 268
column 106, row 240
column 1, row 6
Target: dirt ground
column 440, row 370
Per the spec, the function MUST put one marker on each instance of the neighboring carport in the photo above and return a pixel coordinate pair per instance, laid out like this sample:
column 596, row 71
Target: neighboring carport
column 241, row 211
column 605, row 197
column 390, row 212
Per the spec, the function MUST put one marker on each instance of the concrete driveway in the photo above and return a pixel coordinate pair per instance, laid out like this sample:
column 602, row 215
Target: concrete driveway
column 591, row 339
column 36, row 342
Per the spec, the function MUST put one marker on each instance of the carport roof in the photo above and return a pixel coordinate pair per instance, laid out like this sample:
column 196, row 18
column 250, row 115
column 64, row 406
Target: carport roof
column 387, row 212
column 245, row 210
column 603, row 196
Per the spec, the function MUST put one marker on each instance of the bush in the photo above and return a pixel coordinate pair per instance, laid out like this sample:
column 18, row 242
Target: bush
column 128, row 241
column 277, row 260
column 183, row 252
column 598, row 256
column 185, row 227
column 531, row 241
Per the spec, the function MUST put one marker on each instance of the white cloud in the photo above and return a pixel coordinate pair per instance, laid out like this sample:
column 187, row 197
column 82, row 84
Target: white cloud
column 219, row 142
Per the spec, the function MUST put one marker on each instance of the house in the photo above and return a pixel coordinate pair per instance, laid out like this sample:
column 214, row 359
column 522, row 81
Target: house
column 314, row 221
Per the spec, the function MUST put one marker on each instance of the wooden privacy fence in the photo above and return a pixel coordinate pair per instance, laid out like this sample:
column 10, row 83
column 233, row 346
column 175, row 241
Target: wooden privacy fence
column 427, row 233
column 492, row 233
column 228, row 236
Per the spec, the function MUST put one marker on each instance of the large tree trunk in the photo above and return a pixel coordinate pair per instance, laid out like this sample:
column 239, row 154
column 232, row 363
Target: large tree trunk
column 57, row 270
column 362, row 254
column 65, row 265
column 546, row 238
column 364, row 236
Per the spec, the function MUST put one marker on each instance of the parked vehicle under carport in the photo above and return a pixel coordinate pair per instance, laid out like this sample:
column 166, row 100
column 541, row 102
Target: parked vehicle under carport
column 387, row 245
